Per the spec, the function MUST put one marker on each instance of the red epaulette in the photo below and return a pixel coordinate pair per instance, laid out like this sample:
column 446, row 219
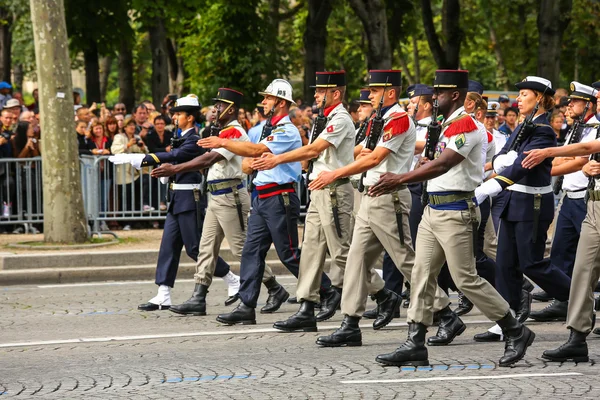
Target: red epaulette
column 230, row 133
column 460, row 125
column 490, row 137
column 398, row 123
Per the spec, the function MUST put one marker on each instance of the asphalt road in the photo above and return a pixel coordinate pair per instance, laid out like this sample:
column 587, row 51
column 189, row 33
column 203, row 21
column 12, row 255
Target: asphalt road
column 89, row 341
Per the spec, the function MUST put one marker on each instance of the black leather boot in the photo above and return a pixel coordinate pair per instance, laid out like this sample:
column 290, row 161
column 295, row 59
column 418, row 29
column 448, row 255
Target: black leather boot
column 412, row 352
column 330, row 301
column 575, row 349
column 346, row 335
column 277, row 296
column 555, row 311
column 242, row 314
column 464, row 305
column 524, row 307
column 518, row 339
column 387, row 302
column 450, row 327
column 542, row 296
column 487, row 336
column 371, row 314
column 195, row 305
column 303, row 321
column 527, row 285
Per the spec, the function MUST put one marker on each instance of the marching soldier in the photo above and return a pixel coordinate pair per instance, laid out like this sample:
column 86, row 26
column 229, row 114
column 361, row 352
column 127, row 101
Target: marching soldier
column 448, row 227
column 185, row 216
column 327, row 225
column 274, row 216
column 374, row 230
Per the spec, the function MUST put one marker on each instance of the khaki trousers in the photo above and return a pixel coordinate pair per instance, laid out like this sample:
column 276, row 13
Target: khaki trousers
column 447, row 236
column 490, row 240
column 586, row 272
column 320, row 235
column 222, row 222
column 376, row 229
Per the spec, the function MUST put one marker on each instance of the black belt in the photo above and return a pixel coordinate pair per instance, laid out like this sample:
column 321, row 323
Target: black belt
column 273, row 189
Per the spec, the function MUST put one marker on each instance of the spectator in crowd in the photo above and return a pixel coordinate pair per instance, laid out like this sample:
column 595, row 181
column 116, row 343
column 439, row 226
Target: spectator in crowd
column 83, row 114
column 127, row 177
column 353, row 110
column 76, row 99
column 307, row 111
column 261, row 119
column 83, row 135
column 35, row 106
column 19, row 97
column 149, row 106
column 243, row 120
column 99, row 145
column 510, row 121
column 14, row 107
column 119, row 109
column 5, row 89
column 112, row 127
column 8, row 121
column 120, row 122
column 500, row 115
column 300, row 122
column 559, row 94
column 140, row 117
column 556, row 122
column 159, row 141
column 24, row 143
column 504, row 101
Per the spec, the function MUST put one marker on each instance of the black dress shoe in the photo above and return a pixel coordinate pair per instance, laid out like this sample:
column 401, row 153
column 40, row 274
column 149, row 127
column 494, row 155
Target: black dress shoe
column 555, row 311
column 370, row 314
column 542, row 296
column 575, row 349
column 330, row 301
column 450, row 327
column 487, row 337
column 232, row 299
column 303, row 321
column 524, row 307
column 346, row 335
column 195, row 305
column 152, row 307
column 292, row 300
column 277, row 296
column 387, row 304
column 596, row 331
column 518, row 339
column 464, row 305
column 242, row 314
column 412, row 352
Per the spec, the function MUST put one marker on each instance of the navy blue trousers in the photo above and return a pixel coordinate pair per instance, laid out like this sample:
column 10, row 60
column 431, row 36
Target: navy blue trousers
column 180, row 230
column 566, row 234
column 267, row 225
column 518, row 255
column 392, row 276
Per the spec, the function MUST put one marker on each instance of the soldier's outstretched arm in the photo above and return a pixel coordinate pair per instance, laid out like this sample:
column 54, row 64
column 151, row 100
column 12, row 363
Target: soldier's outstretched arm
column 308, row 152
column 199, row 163
column 535, row 157
column 244, row 149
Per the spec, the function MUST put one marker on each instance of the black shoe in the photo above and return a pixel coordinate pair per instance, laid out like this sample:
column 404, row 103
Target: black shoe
column 387, row 303
column 330, row 301
column 450, row 327
column 524, row 307
column 371, row 314
column 242, row 314
column 527, row 285
column 596, row 331
column 346, row 335
column 406, row 303
column 487, row 337
column 152, row 307
column 555, row 311
column 292, row 300
column 195, row 305
column 232, row 299
column 575, row 349
column 277, row 296
column 464, row 305
column 518, row 339
column 542, row 296
column 436, row 319
column 406, row 294
column 303, row 321
column 412, row 352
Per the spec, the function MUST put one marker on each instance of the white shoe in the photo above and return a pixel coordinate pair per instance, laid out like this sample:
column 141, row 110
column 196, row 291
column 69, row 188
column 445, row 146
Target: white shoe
column 33, row 230
column 103, row 227
column 163, row 297
column 127, row 228
column 148, row 208
column 233, row 283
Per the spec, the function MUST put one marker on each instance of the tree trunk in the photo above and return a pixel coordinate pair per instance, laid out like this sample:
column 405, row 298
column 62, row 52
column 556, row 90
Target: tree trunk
column 176, row 70
column 315, row 38
column 18, row 76
column 105, row 67
column 5, row 44
column 160, row 62
column 126, row 89
column 416, row 59
column 406, row 72
column 64, row 217
column 372, row 14
column 92, row 74
column 447, row 54
column 522, row 13
column 553, row 18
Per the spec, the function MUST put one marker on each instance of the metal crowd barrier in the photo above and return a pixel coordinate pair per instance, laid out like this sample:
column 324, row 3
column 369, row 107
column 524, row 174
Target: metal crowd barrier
column 110, row 193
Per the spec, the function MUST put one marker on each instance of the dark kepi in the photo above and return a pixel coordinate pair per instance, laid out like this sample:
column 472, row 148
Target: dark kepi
column 330, row 79
column 419, row 89
column 385, row 77
column 451, row 79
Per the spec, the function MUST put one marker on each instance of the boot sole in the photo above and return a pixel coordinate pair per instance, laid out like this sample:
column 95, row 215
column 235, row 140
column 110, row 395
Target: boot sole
column 565, row 359
column 391, row 317
column 245, row 322
column 291, row 330
column 349, row 344
column 194, row 313
column 529, row 342
column 458, row 333
column 404, row 363
column 285, row 298
column 556, row 319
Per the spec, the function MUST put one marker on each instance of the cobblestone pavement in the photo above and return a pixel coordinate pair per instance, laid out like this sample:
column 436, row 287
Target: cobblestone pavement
column 71, row 342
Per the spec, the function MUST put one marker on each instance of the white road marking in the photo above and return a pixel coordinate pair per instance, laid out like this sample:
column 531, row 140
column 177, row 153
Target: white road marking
column 460, row 378
column 188, row 334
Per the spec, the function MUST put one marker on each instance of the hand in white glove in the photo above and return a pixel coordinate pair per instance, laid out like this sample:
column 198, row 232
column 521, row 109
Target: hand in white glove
column 504, row 161
column 119, row 159
column 136, row 160
column 164, row 180
column 487, row 189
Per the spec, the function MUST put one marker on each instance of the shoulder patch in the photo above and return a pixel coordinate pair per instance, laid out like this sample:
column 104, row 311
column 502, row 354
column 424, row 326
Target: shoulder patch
column 460, row 125
column 460, row 140
column 230, row 133
column 330, row 128
column 269, row 138
column 396, row 125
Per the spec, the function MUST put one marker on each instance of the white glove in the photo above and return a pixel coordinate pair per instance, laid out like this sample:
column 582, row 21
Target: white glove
column 136, row 160
column 487, row 189
column 504, row 161
column 164, row 180
column 119, row 159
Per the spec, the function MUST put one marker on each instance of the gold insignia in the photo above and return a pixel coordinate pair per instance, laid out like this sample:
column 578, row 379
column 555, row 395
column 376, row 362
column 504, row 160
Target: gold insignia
column 572, row 86
column 411, row 93
column 494, row 106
